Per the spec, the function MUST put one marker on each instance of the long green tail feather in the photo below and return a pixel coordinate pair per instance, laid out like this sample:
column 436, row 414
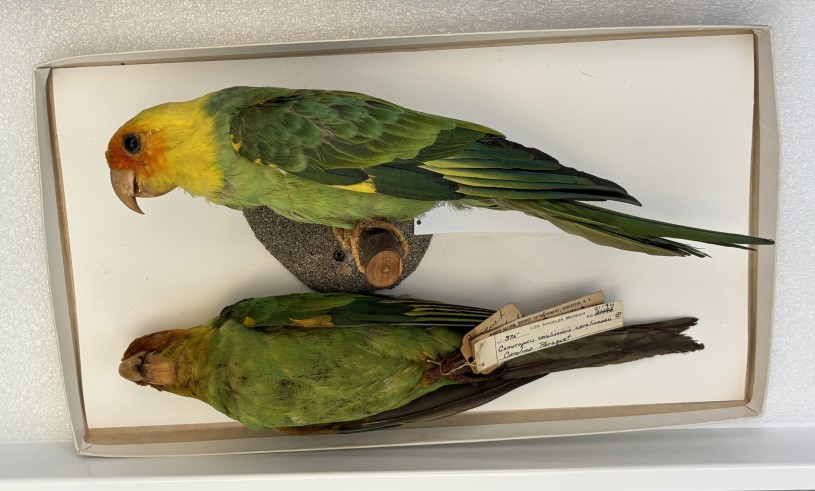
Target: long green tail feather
column 628, row 232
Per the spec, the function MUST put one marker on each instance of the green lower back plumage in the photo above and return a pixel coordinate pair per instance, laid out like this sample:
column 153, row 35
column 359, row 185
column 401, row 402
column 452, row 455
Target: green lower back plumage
column 288, row 376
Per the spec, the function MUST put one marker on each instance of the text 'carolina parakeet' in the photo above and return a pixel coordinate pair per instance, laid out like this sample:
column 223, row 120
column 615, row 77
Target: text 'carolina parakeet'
column 344, row 159
column 316, row 363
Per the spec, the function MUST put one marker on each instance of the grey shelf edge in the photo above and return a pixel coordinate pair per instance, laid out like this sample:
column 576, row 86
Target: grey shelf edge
column 698, row 458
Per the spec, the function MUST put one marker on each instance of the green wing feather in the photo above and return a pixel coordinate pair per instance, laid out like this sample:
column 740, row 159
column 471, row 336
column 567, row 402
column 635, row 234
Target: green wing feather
column 312, row 130
column 348, row 310
column 345, row 138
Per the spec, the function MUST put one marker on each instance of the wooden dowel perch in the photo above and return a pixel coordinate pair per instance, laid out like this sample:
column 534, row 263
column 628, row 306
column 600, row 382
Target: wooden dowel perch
column 381, row 253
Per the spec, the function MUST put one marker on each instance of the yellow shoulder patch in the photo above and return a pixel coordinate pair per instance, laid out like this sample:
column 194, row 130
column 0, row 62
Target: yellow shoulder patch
column 366, row 186
column 318, row 321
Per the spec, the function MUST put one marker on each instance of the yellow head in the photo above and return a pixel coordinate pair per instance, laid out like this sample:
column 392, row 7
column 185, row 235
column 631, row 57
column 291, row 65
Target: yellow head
column 164, row 147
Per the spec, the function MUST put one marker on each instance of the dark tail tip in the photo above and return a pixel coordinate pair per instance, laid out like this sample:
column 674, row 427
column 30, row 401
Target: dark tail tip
column 627, row 198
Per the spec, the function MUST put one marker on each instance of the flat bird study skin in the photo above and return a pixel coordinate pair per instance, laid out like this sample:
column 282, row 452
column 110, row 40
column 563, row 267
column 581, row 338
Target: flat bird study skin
column 341, row 158
column 322, row 363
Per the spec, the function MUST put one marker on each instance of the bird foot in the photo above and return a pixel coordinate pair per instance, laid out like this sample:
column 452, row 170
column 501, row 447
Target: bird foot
column 455, row 367
column 378, row 249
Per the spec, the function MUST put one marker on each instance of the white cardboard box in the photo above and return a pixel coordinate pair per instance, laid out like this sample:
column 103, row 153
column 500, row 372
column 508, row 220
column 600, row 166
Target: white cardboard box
column 684, row 118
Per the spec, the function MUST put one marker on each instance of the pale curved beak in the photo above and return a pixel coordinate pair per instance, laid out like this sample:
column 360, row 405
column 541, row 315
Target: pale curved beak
column 127, row 189
column 124, row 185
column 149, row 368
column 129, row 368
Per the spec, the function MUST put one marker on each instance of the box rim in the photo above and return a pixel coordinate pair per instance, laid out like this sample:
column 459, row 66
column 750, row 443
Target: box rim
column 394, row 43
column 765, row 155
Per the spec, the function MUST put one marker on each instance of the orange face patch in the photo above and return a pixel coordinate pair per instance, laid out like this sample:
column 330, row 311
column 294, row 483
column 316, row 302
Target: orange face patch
column 155, row 342
column 139, row 151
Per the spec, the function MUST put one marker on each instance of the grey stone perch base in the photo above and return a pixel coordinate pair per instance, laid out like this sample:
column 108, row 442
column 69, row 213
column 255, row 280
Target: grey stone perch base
column 314, row 256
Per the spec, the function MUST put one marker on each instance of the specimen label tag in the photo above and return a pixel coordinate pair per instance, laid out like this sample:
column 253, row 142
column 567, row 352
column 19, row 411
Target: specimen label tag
column 491, row 349
column 590, row 300
column 508, row 317
column 501, row 317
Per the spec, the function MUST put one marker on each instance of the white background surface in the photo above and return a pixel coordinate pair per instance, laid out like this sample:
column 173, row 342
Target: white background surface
column 656, row 114
column 32, row 406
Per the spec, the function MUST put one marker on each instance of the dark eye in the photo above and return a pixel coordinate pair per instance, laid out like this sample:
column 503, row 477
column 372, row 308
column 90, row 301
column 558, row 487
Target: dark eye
column 132, row 143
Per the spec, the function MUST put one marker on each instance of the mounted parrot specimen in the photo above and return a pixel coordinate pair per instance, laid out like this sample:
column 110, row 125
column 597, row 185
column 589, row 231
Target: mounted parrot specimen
column 355, row 163
column 322, row 363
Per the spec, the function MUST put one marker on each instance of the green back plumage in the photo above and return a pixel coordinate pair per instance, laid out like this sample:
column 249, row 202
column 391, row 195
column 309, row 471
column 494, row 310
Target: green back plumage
column 304, row 359
column 294, row 376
